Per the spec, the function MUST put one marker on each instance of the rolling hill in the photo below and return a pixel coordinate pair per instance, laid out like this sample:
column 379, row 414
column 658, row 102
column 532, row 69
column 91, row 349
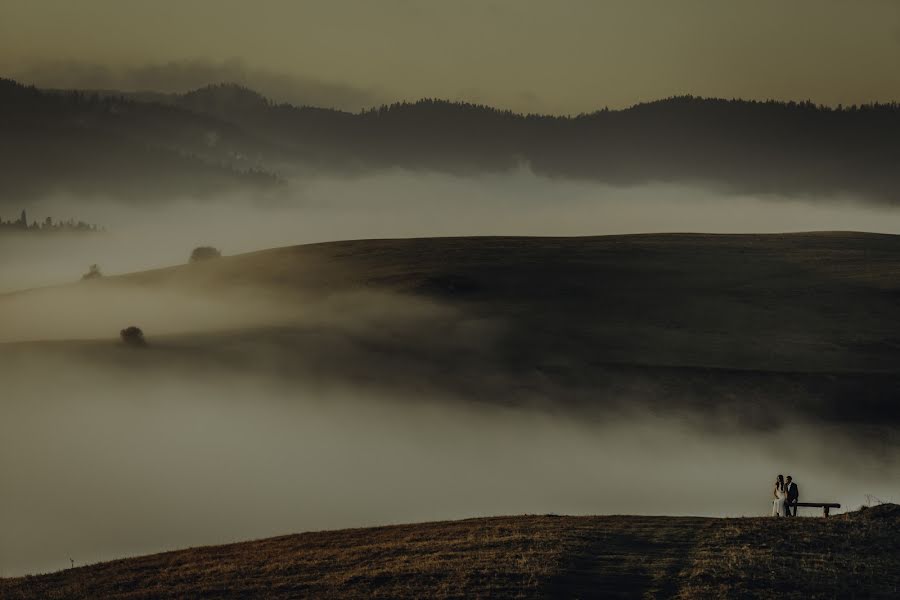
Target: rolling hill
column 851, row 555
column 733, row 327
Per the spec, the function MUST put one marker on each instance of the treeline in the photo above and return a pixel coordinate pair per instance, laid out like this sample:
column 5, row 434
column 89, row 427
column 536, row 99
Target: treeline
column 48, row 225
column 222, row 136
column 103, row 144
column 747, row 146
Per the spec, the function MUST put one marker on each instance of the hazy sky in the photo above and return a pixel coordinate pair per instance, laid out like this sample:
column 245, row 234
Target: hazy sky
column 560, row 55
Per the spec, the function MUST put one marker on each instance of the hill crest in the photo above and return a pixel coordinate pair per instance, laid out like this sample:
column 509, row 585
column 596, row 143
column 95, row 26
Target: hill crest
column 518, row 557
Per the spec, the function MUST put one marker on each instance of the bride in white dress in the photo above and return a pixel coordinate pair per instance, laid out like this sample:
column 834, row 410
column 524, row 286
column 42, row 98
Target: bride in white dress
column 778, row 504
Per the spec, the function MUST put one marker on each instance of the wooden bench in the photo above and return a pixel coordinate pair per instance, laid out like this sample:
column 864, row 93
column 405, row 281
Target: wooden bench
column 825, row 506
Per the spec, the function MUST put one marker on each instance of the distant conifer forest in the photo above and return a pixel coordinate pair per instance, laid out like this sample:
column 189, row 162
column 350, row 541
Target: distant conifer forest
column 48, row 225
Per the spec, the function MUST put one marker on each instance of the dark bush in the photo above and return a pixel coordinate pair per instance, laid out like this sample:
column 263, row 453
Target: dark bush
column 93, row 273
column 204, row 253
column 133, row 336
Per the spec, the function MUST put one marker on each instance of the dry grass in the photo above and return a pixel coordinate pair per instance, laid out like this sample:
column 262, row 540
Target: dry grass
column 854, row 555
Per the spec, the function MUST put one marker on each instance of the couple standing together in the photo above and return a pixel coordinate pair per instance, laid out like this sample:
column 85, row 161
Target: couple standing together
column 786, row 496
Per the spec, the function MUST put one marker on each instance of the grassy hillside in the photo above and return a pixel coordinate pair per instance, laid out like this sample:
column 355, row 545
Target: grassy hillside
column 725, row 323
column 851, row 555
column 787, row 302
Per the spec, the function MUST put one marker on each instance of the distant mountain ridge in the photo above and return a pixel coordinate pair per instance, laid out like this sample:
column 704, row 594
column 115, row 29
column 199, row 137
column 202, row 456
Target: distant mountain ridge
column 226, row 134
column 103, row 145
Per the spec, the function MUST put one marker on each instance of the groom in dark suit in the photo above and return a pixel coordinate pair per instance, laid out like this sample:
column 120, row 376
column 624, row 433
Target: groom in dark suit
column 793, row 496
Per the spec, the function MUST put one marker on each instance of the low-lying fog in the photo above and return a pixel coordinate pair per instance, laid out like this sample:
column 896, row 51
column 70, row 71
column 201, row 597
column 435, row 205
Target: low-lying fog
column 104, row 463
column 103, row 458
column 400, row 204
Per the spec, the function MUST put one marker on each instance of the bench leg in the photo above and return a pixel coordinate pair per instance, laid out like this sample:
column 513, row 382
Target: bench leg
column 825, row 511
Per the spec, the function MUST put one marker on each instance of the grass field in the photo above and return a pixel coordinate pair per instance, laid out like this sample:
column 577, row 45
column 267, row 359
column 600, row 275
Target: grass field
column 855, row 555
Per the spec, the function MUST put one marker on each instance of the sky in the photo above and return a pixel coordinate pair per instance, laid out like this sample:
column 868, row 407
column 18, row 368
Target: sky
column 561, row 56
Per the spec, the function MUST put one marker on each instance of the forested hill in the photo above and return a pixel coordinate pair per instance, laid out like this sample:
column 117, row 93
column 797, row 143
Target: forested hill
column 740, row 145
column 223, row 134
column 110, row 145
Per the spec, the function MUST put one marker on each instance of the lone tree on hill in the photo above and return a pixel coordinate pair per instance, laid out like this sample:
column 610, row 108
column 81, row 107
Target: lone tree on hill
column 204, row 253
column 93, row 273
column 133, row 336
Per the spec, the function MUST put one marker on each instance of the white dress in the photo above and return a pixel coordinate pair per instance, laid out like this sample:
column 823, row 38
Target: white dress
column 778, row 504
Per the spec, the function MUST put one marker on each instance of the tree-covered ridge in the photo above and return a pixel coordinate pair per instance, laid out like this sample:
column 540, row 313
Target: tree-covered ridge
column 106, row 144
column 224, row 135
column 754, row 146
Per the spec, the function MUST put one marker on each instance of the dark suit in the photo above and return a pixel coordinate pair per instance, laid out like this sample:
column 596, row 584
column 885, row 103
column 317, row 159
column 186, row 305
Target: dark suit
column 793, row 496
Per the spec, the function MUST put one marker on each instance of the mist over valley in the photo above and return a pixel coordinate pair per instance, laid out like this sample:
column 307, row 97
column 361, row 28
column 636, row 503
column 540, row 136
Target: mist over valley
column 445, row 378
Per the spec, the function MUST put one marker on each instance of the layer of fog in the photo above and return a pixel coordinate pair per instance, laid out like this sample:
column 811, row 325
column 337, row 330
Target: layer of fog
column 96, row 312
column 187, row 75
column 83, row 313
column 104, row 463
column 400, row 204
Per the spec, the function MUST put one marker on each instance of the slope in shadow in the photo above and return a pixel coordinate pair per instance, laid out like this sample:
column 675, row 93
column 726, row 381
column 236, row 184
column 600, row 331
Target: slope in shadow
column 638, row 557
